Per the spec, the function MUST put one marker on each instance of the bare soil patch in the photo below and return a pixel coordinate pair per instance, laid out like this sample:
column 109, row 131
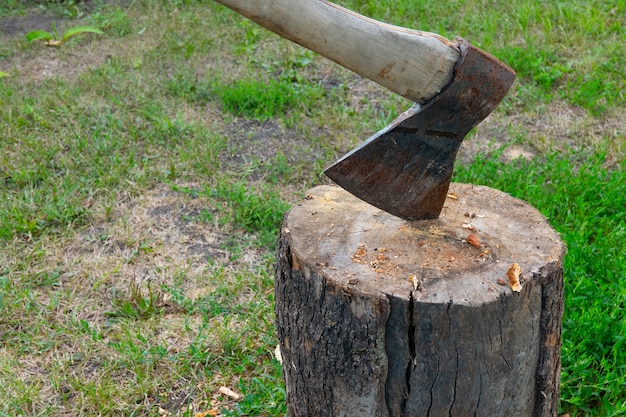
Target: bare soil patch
column 49, row 63
column 20, row 25
column 153, row 238
column 253, row 140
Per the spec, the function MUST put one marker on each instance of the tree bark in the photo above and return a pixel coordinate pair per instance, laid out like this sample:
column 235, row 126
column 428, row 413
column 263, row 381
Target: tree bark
column 378, row 316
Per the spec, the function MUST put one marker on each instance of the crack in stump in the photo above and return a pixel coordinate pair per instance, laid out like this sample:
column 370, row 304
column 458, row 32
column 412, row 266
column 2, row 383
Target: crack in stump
column 411, row 342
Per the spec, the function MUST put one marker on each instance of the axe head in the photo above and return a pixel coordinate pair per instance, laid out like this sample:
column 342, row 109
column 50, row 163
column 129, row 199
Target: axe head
column 405, row 169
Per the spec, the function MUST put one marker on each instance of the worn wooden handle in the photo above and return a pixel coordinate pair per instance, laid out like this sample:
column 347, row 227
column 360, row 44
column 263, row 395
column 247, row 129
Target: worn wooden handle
column 417, row 65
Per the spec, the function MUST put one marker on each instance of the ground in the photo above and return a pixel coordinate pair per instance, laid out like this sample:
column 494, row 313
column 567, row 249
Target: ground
column 173, row 238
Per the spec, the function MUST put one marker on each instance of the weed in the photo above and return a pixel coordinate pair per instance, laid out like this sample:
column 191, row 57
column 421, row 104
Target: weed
column 56, row 40
column 136, row 303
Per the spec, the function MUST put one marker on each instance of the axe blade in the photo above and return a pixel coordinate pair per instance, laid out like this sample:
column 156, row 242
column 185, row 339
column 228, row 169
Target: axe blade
column 405, row 169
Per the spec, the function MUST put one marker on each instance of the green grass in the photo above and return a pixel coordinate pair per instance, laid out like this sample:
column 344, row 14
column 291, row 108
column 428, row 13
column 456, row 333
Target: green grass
column 144, row 174
column 251, row 98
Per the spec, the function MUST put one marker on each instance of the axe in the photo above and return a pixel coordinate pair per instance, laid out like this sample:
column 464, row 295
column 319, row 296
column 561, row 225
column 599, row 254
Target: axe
column 405, row 168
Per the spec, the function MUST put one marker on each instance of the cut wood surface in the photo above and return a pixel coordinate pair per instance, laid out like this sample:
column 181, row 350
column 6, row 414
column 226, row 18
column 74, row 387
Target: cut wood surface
column 415, row 64
column 378, row 316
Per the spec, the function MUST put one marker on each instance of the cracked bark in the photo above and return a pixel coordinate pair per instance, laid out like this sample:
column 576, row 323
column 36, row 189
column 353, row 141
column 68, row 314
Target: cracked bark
column 377, row 316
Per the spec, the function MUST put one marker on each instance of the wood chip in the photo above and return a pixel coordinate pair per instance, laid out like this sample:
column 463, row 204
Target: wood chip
column 359, row 255
column 468, row 226
column 513, row 276
column 414, row 281
column 473, row 240
column 210, row 413
column 278, row 355
column 229, row 393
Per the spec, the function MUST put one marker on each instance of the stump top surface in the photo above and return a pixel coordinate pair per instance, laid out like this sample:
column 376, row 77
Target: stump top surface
column 462, row 257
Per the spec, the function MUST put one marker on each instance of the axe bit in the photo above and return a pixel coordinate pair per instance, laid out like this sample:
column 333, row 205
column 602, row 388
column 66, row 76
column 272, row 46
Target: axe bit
column 405, row 168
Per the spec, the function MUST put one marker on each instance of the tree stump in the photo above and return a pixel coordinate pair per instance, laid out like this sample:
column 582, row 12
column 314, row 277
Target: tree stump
column 378, row 316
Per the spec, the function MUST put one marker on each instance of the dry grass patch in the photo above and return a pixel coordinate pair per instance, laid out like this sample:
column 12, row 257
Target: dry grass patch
column 130, row 305
column 554, row 126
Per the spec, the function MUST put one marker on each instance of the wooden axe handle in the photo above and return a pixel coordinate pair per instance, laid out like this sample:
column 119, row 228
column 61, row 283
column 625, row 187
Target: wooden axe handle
column 417, row 65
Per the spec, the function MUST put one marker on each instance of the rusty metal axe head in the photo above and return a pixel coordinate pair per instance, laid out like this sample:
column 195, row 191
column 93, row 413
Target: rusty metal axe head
column 405, row 169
